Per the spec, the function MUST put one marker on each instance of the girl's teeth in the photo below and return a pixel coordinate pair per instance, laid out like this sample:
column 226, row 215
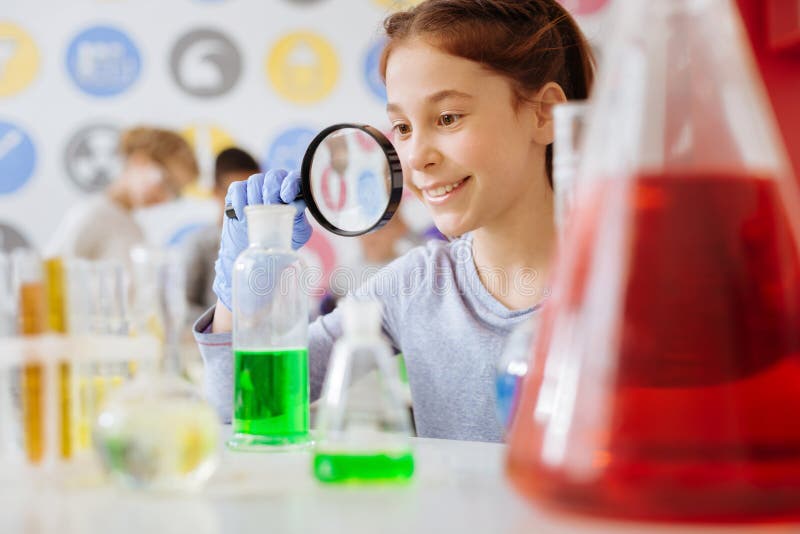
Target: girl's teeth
column 443, row 190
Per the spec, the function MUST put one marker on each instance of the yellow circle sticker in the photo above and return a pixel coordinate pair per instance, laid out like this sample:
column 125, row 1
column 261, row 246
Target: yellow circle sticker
column 397, row 5
column 303, row 67
column 19, row 59
column 207, row 140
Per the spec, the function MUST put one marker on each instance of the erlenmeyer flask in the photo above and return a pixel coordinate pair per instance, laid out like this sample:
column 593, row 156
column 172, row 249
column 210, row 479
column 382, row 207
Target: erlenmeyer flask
column 362, row 437
column 664, row 384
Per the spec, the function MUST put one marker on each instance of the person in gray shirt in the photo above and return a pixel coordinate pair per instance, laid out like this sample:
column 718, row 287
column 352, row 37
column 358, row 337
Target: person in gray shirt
column 470, row 87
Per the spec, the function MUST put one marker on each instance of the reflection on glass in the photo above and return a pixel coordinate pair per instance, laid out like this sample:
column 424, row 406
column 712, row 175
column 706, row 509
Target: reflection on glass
column 350, row 179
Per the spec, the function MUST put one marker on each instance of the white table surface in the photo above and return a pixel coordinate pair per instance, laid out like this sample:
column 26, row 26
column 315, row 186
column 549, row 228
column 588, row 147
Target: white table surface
column 458, row 487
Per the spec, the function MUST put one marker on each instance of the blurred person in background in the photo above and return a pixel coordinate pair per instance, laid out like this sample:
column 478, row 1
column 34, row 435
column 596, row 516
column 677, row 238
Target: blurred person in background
column 157, row 165
column 201, row 247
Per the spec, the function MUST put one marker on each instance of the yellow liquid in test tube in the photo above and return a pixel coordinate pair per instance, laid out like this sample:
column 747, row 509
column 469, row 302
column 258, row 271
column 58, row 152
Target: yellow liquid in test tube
column 32, row 322
column 57, row 321
column 65, row 409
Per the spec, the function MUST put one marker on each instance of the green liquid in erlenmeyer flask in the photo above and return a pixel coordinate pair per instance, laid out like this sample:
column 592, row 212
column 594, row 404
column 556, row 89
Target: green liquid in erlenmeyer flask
column 367, row 467
column 271, row 396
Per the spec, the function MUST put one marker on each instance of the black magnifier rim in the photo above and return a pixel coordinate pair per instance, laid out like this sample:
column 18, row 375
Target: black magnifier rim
column 395, row 173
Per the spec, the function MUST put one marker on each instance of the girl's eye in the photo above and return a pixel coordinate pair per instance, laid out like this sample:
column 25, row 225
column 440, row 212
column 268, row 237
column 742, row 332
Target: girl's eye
column 401, row 128
column 449, row 119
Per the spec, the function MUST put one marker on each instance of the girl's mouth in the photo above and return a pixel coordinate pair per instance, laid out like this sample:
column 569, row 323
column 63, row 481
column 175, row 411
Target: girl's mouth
column 445, row 192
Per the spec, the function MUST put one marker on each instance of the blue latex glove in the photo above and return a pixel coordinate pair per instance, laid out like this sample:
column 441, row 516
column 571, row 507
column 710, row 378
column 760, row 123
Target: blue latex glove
column 274, row 187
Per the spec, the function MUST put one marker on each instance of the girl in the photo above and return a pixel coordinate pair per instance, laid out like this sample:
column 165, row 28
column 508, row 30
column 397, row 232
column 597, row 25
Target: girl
column 471, row 86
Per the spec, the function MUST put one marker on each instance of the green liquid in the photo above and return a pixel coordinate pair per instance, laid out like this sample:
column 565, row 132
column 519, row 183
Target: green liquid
column 376, row 467
column 271, row 397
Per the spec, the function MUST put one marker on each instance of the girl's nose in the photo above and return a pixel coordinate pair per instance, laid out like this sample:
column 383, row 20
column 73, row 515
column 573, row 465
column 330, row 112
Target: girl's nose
column 423, row 154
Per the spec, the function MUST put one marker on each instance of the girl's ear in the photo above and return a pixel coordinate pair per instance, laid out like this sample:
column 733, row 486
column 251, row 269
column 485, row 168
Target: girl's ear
column 546, row 98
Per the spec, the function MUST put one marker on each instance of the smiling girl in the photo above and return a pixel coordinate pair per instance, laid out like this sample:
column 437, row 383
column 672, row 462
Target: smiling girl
column 470, row 89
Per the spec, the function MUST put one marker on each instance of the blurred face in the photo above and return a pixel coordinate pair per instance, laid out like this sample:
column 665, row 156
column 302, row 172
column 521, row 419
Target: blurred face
column 149, row 183
column 339, row 154
column 466, row 151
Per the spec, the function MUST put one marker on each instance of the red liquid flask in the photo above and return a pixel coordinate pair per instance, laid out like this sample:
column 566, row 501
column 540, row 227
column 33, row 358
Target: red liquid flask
column 665, row 382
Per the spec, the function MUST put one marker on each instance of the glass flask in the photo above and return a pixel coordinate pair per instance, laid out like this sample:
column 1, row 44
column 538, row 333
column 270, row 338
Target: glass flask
column 270, row 336
column 569, row 123
column 156, row 432
column 511, row 370
column 362, row 436
column 8, row 303
column 665, row 379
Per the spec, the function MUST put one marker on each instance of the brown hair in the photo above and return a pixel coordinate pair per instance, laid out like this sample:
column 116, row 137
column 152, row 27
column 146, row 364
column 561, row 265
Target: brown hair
column 161, row 145
column 233, row 159
column 530, row 42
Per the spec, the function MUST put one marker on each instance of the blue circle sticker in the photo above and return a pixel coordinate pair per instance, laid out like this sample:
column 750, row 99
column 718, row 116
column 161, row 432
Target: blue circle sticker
column 371, row 73
column 288, row 149
column 17, row 158
column 103, row 61
column 371, row 193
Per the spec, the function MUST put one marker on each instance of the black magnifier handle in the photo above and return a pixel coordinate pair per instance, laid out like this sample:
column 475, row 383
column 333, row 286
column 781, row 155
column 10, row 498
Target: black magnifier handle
column 231, row 213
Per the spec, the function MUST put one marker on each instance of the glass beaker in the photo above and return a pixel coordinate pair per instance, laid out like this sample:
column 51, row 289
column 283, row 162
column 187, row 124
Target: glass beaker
column 362, row 438
column 8, row 301
column 156, row 432
column 97, row 310
column 270, row 336
column 665, row 380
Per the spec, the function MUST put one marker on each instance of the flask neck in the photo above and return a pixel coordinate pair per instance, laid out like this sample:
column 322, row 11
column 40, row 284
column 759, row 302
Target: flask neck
column 273, row 240
column 270, row 226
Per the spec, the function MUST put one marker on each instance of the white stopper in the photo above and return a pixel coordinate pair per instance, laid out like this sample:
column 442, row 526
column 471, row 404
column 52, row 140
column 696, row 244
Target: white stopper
column 270, row 225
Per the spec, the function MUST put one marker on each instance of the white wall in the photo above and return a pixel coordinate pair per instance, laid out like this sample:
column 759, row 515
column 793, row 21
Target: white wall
column 40, row 97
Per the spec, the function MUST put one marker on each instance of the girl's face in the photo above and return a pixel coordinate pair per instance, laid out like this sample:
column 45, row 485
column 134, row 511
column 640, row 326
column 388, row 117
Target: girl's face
column 466, row 151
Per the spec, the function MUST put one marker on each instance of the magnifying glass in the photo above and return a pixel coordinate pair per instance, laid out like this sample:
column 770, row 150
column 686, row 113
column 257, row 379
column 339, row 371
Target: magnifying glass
column 352, row 180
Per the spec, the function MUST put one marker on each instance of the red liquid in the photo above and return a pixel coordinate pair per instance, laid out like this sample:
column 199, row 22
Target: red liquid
column 704, row 396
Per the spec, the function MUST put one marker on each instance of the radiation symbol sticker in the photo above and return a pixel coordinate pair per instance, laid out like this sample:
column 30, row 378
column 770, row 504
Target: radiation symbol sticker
column 11, row 238
column 19, row 59
column 303, row 67
column 91, row 157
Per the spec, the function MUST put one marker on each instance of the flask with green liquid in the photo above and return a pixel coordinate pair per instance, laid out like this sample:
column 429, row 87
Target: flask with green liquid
column 270, row 337
column 362, row 438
